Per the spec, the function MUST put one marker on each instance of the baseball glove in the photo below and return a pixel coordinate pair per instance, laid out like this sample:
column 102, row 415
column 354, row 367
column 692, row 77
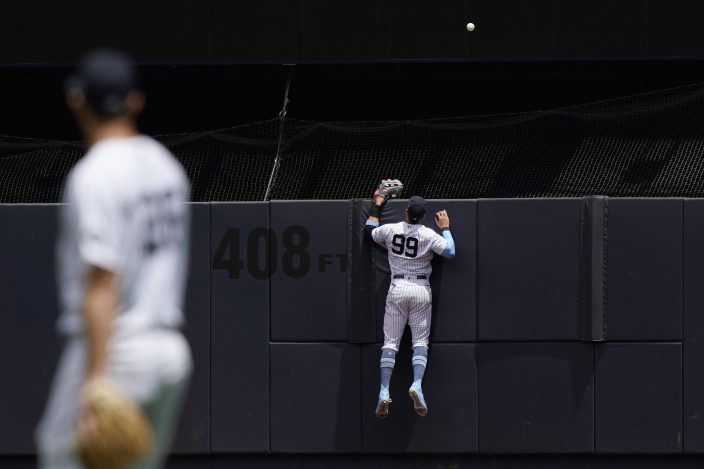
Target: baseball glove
column 119, row 433
column 388, row 189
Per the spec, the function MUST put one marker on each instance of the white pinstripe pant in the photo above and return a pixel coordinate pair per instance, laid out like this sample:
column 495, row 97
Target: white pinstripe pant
column 408, row 302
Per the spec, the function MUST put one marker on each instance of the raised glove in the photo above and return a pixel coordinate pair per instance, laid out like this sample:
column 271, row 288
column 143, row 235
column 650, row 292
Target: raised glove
column 388, row 189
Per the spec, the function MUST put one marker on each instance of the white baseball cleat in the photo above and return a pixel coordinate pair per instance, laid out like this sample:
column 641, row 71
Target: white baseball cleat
column 419, row 404
column 382, row 407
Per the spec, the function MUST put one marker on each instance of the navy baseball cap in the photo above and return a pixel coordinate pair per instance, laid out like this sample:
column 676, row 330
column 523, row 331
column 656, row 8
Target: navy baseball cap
column 105, row 77
column 416, row 208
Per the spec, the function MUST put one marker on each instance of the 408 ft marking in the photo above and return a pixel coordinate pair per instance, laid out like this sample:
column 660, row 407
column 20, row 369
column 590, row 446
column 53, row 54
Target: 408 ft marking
column 295, row 258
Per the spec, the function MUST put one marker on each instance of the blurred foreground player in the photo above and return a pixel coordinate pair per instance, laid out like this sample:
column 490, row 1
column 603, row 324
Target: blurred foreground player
column 410, row 247
column 122, row 256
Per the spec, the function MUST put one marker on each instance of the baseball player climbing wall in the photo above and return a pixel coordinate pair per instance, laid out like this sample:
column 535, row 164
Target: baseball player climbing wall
column 409, row 300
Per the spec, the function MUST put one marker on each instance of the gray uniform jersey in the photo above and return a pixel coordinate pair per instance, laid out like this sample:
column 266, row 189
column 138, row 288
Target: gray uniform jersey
column 126, row 212
column 409, row 300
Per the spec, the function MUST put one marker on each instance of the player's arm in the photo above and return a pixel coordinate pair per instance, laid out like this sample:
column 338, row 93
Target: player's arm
column 443, row 222
column 98, row 309
column 374, row 214
column 97, row 224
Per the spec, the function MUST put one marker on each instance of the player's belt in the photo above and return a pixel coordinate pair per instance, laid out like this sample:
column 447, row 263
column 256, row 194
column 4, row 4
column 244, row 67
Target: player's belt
column 419, row 277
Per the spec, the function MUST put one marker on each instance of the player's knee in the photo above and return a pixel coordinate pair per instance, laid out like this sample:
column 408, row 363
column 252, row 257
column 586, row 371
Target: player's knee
column 420, row 344
column 390, row 346
column 420, row 355
column 388, row 358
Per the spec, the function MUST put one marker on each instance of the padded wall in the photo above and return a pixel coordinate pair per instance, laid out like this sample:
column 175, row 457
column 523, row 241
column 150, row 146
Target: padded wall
column 29, row 346
column 645, row 269
column 528, row 269
column 693, row 346
column 315, row 398
column 193, row 434
column 309, row 280
column 638, row 398
column 239, row 298
column 276, row 373
column 536, row 398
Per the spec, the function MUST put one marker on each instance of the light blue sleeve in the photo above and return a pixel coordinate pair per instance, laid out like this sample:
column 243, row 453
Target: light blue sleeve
column 376, row 232
column 449, row 251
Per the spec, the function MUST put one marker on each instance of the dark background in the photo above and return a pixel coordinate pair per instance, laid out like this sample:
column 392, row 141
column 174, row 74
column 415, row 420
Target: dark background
column 189, row 97
column 286, row 31
column 216, row 63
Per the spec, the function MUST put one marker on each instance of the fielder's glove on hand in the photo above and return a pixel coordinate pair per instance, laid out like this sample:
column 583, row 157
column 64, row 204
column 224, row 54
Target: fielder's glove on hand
column 119, row 433
column 388, row 189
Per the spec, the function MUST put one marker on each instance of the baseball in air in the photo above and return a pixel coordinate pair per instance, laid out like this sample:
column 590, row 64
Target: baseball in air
column 470, row 27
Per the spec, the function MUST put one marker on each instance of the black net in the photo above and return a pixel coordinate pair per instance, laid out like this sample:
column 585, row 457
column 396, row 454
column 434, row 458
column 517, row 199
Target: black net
column 641, row 146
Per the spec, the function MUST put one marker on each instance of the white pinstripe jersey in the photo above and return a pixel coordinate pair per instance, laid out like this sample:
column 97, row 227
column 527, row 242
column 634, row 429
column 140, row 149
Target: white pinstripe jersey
column 410, row 247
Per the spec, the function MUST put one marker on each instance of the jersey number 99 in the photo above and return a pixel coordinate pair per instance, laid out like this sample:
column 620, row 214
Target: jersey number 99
column 404, row 246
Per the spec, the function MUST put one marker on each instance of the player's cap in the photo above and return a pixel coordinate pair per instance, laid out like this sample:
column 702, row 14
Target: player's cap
column 416, row 208
column 105, row 77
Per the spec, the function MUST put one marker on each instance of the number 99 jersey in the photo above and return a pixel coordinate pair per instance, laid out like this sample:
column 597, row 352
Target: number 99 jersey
column 410, row 247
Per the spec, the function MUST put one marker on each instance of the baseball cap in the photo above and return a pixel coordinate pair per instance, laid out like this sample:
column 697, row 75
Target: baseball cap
column 416, row 208
column 105, row 77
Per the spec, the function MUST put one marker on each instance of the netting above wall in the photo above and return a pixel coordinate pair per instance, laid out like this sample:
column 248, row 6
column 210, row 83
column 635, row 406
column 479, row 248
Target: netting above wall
column 648, row 145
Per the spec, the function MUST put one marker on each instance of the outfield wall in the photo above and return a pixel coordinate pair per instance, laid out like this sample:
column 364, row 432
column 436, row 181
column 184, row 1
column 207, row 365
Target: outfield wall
column 562, row 326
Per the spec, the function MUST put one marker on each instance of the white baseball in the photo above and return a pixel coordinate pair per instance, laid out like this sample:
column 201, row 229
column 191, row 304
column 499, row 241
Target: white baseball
column 470, row 27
